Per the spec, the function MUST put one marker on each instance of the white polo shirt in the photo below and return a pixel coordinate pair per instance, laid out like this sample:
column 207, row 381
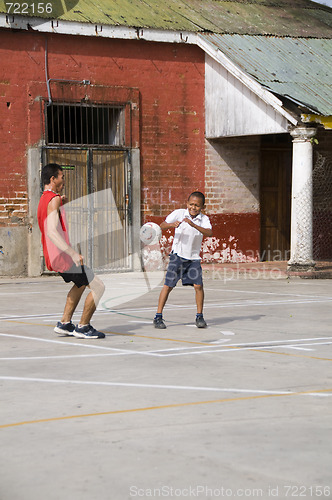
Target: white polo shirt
column 187, row 240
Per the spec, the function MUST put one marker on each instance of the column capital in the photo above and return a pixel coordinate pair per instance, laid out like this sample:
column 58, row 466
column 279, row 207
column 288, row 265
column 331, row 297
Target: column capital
column 303, row 134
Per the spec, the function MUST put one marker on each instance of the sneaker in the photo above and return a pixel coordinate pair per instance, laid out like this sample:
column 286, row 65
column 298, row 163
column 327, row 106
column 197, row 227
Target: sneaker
column 200, row 322
column 159, row 323
column 64, row 328
column 88, row 332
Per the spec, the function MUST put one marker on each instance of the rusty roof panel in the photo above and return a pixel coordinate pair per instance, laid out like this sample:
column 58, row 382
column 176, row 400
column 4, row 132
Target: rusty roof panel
column 297, row 68
column 278, row 17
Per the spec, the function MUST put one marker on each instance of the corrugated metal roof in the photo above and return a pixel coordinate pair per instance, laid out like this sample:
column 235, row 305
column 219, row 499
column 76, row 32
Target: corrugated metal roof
column 294, row 62
column 296, row 68
column 278, row 17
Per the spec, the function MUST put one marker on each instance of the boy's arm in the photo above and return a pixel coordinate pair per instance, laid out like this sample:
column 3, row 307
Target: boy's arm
column 52, row 222
column 169, row 225
column 206, row 231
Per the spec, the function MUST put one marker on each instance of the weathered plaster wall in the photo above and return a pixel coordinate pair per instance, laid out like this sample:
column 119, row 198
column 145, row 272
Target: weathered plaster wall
column 232, row 192
column 166, row 83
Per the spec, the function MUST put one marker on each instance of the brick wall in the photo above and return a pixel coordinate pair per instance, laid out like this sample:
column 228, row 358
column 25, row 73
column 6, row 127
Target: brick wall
column 167, row 78
column 232, row 199
column 232, row 175
column 170, row 80
column 232, row 202
column 13, row 211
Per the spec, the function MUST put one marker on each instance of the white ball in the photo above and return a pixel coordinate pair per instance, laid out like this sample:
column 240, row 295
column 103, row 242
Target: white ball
column 150, row 233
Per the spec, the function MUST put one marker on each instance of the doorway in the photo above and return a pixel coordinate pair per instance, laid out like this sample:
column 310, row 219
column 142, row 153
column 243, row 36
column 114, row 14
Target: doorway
column 98, row 212
column 275, row 197
column 89, row 141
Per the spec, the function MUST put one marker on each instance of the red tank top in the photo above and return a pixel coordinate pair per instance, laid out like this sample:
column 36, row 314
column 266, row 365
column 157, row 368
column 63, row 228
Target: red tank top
column 55, row 259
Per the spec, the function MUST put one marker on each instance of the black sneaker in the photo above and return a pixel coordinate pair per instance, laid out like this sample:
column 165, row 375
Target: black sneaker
column 159, row 323
column 64, row 328
column 200, row 322
column 88, row 332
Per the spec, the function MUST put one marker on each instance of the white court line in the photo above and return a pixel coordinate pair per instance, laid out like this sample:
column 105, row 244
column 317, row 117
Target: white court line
column 31, row 316
column 280, row 294
column 170, row 307
column 252, row 345
column 76, row 344
column 301, row 348
column 72, row 356
column 219, row 341
column 174, row 351
column 76, row 317
column 29, row 292
column 247, row 303
column 141, row 322
column 237, row 349
column 219, row 305
column 155, row 386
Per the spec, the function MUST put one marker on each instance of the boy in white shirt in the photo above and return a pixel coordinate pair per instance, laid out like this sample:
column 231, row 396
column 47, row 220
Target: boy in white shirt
column 190, row 227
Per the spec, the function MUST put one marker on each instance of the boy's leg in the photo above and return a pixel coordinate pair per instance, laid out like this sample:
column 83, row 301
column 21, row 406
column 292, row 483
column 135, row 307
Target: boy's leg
column 73, row 298
column 65, row 326
column 199, row 295
column 172, row 277
column 82, row 277
column 84, row 329
column 97, row 288
column 163, row 296
column 165, row 291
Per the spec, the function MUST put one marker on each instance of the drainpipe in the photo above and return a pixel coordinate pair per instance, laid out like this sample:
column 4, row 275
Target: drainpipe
column 302, row 200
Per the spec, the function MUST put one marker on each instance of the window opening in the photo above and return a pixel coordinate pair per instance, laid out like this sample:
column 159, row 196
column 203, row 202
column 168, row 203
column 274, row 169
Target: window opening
column 84, row 124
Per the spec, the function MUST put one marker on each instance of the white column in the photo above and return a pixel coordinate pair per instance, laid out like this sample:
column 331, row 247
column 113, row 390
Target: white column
column 302, row 201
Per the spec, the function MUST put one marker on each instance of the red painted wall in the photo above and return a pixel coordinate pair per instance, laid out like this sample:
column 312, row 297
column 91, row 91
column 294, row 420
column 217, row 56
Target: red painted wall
column 168, row 80
column 235, row 238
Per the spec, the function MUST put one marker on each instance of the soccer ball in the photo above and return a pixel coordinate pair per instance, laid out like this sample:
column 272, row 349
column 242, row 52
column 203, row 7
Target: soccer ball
column 150, row 233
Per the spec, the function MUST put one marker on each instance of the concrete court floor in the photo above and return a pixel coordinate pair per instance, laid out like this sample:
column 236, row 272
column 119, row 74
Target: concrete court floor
column 239, row 410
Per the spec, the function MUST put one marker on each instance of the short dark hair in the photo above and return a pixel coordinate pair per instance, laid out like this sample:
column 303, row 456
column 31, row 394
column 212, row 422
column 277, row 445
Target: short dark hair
column 198, row 194
column 50, row 170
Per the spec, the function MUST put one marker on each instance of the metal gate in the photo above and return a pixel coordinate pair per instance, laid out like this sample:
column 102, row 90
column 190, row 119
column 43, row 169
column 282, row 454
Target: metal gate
column 91, row 143
column 97, row 185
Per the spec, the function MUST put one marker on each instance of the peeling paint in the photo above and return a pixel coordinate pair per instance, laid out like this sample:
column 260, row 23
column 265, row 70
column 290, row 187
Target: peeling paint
column 326, row 121
column 214, row 250
column 152, row 258
column 220, row 251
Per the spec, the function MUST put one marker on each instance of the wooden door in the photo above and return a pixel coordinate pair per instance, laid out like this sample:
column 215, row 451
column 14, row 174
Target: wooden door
column 275, row 203
column 98, row 213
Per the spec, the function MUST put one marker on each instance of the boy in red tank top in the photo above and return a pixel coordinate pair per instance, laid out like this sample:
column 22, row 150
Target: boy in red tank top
column 62, row 258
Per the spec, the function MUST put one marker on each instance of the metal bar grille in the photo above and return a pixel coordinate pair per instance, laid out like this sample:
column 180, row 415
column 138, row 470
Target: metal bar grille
column 86, row 124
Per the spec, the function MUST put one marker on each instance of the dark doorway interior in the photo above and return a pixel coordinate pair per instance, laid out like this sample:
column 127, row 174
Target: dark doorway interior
column 275, row 196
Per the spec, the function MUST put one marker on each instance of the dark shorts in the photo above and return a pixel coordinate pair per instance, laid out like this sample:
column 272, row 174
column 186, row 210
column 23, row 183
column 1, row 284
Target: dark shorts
column 79, row 275
column 189, row 271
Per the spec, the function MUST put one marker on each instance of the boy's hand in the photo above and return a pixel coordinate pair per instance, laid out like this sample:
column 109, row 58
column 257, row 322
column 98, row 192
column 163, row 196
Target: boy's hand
column 78, row 259
column 176, row 223
column 189, row 221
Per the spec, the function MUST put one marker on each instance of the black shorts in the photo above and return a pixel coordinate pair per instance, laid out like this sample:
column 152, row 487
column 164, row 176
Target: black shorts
column 189, row 271
column 79, row 275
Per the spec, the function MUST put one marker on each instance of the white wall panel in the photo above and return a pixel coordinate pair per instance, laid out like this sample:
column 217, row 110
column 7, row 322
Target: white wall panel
column 232, row 109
